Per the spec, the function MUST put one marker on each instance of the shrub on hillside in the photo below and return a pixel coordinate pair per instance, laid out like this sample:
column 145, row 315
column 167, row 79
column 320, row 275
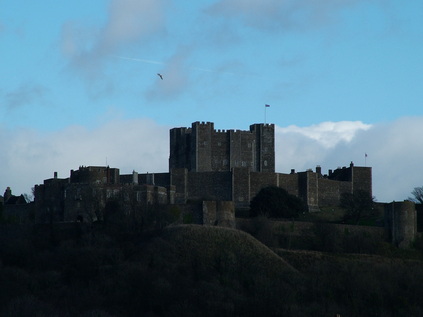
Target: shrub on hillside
column 276, row 202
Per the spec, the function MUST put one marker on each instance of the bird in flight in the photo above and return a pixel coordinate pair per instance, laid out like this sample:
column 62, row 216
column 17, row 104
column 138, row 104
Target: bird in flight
column 160, row 75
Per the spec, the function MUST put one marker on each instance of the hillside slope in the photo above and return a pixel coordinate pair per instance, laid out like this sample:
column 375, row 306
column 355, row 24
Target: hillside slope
column 191, row 270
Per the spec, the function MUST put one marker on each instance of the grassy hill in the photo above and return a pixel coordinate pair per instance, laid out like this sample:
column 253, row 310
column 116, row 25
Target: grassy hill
column 191, row 270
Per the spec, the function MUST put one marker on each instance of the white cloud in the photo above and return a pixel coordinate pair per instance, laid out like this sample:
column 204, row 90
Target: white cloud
column 31, row 157
column 328, row 134
column 394, row 149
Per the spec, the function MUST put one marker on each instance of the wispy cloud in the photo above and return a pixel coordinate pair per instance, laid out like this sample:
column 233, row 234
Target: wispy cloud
column 27, row 93
column 175, row 78
column 128, row 22
column 281, row 15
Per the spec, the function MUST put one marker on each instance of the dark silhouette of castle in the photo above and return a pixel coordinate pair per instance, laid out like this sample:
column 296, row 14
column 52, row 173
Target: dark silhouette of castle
column 211, row 174
column 204, row 165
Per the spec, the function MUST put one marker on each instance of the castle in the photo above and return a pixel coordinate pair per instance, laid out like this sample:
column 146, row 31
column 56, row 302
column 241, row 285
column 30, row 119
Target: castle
column 204, row 165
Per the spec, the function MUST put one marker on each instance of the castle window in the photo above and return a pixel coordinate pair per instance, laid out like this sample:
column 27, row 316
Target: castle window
column 243, row 164
column 265, row 162
column 219, row 143
column 249, row 145
column 138, row 196
column 225, row 162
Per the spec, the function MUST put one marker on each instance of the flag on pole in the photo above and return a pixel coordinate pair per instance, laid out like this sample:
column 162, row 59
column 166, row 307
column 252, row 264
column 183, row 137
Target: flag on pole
column 365, row 154
column 267, row 106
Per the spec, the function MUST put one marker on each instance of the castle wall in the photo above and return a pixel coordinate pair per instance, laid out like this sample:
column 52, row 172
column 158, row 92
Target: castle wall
column 95, row 175
column 261, row 180
column 289, row 182
column 241, row 186
column 129, row 178
column 85, row 201
column 179, row 178
column 209, row 186
column 85, row 194
column 330, row 191
column 48, row 200
column 308, row 189
column 158, row 179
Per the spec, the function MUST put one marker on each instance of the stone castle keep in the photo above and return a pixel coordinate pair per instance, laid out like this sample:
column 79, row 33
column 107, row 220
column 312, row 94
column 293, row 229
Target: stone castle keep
column 204, row 165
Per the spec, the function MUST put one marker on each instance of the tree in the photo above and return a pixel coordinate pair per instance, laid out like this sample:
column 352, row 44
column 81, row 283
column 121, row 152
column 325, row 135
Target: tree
column 418, row 195
column 276, row 202
column 358, row 205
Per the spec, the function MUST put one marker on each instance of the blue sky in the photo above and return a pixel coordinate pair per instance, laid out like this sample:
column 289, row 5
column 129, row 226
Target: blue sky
column 79, row 83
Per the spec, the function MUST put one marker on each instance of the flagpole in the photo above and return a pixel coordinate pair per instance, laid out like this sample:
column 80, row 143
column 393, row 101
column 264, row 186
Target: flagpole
column 265, row 109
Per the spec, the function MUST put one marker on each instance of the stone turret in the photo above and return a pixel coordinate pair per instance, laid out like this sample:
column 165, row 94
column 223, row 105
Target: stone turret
column 401, row 223
column 7, row 194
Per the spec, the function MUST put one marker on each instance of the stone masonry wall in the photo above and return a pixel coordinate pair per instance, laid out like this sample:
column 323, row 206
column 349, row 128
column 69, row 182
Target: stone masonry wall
column 209, row 186
column 261, row 180
column 330, row 191
column 289, row 182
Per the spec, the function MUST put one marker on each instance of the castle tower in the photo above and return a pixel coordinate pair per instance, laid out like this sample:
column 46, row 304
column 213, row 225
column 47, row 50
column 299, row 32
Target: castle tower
column 203, row 149
column 401, row 223
column 265, row 147
column 201, row 146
